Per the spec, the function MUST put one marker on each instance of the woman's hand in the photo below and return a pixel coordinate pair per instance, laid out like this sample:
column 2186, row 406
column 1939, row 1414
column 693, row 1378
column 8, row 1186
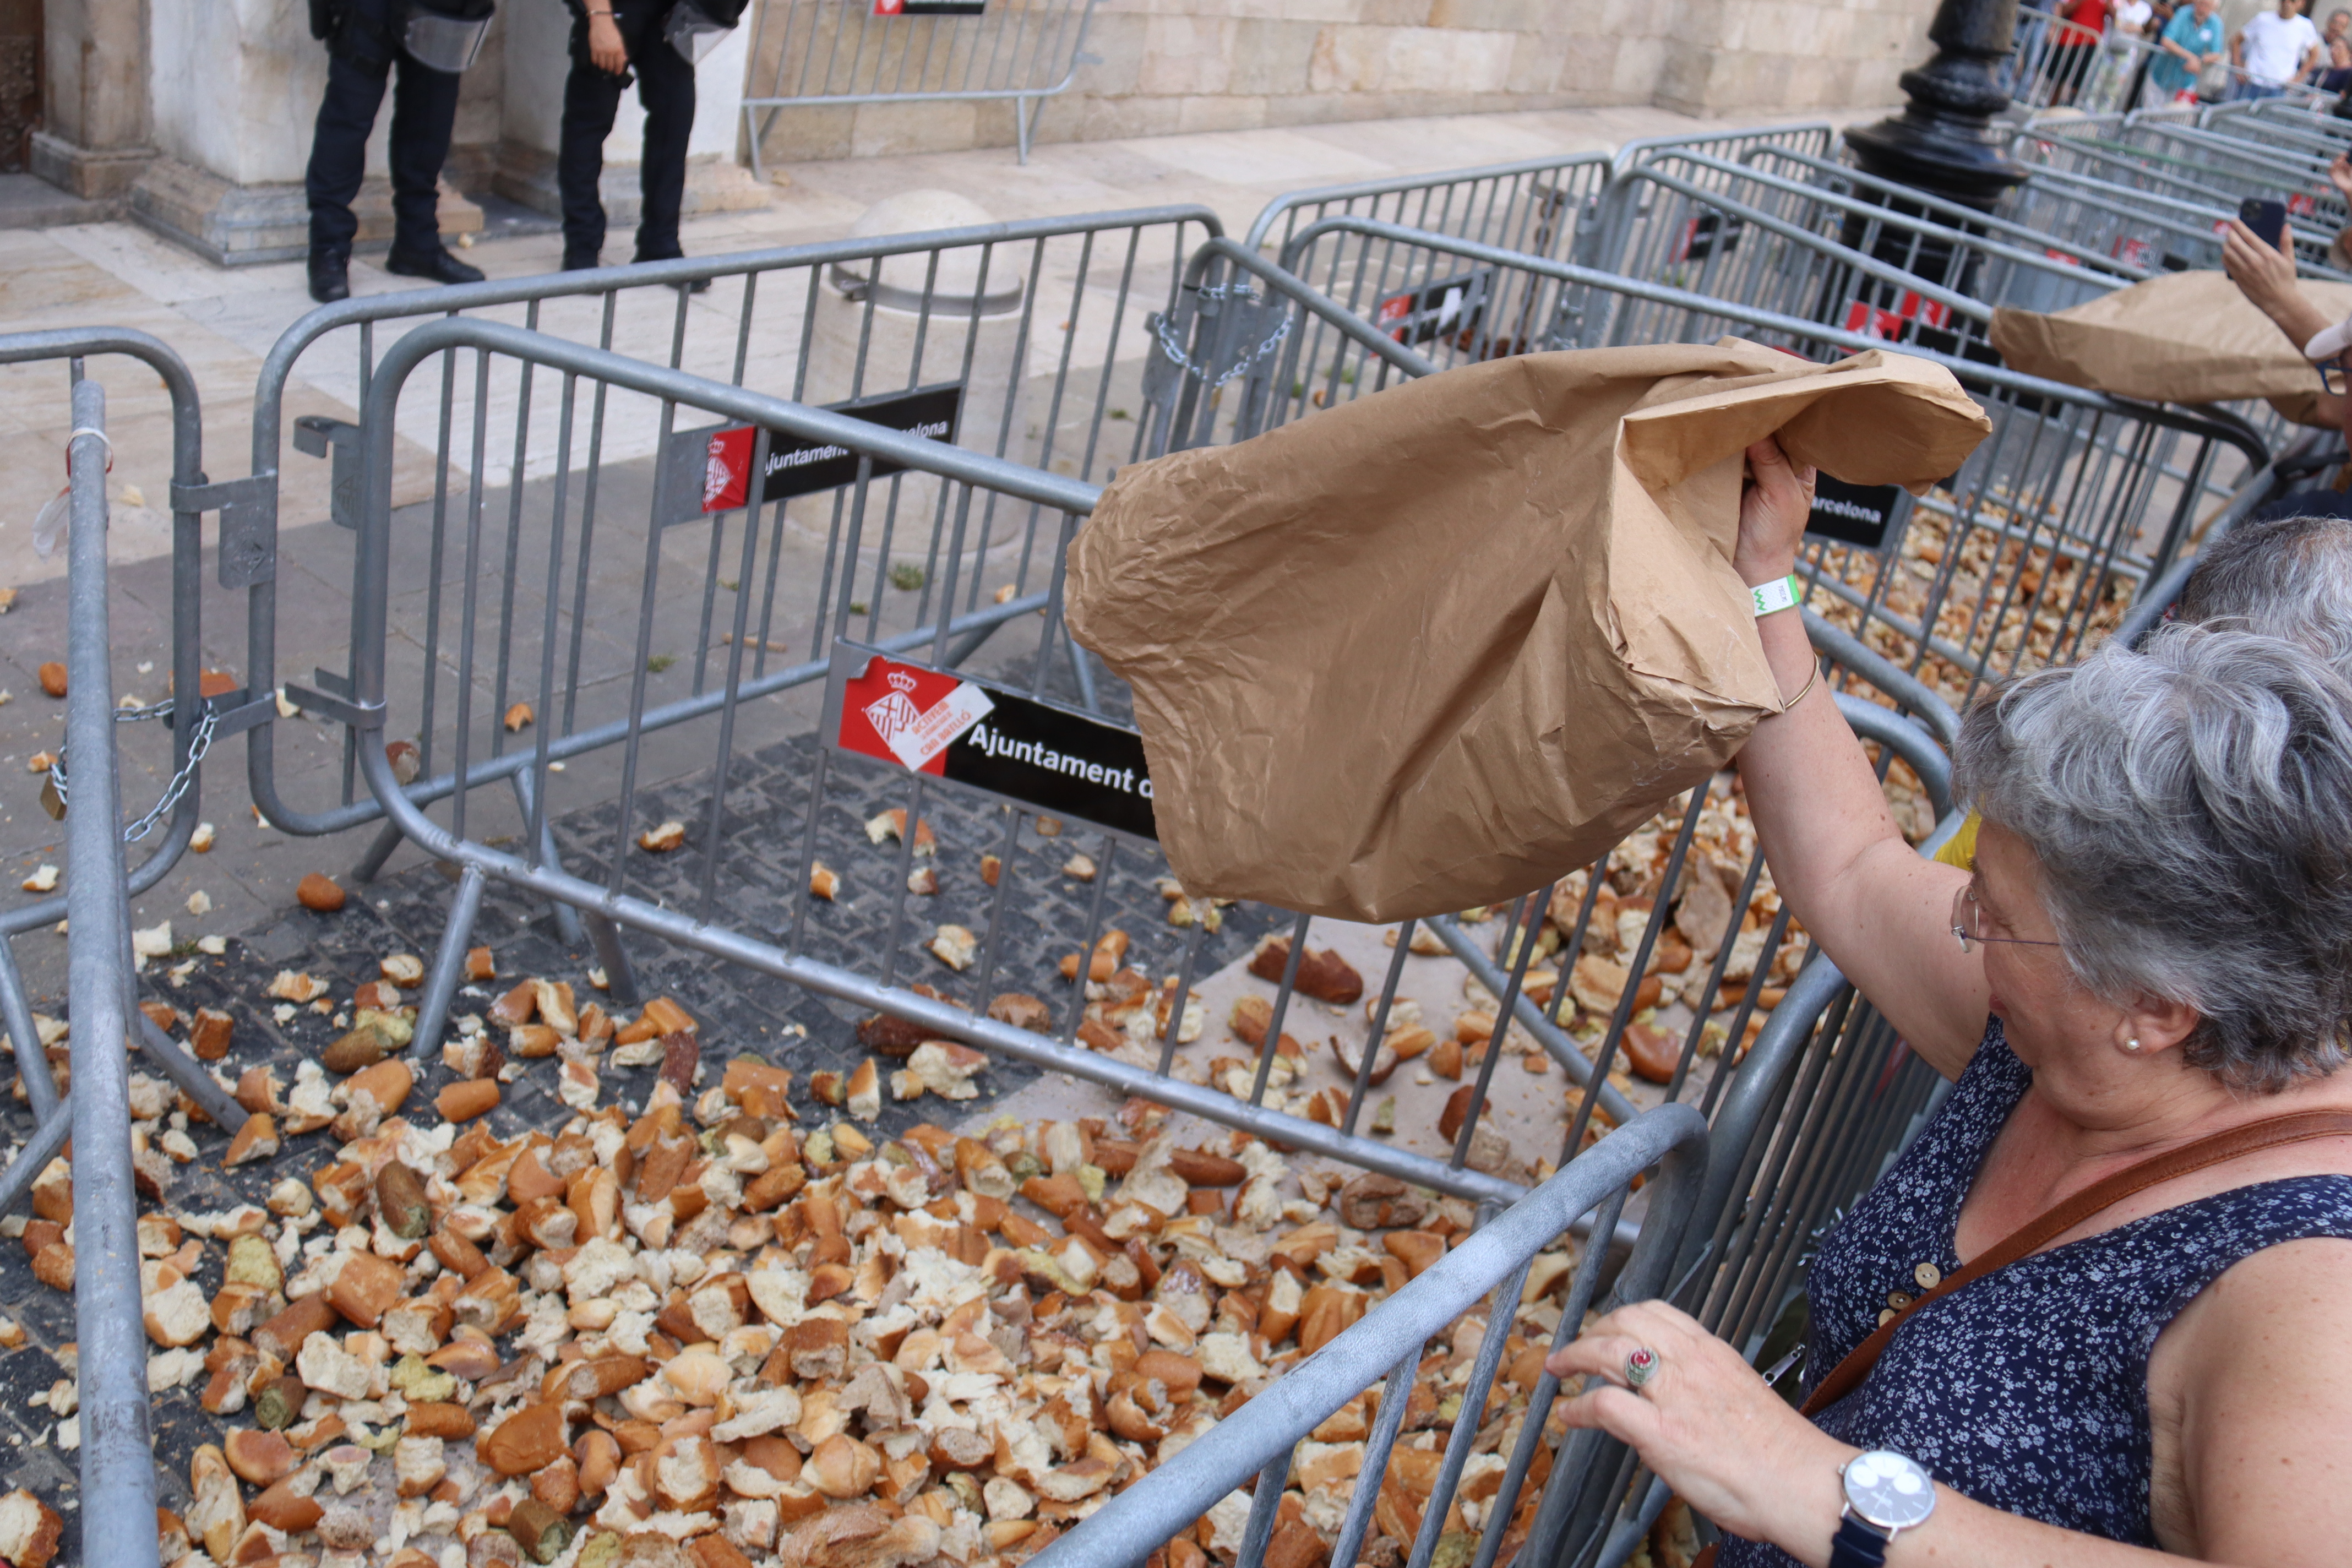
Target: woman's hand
column 605, row 46
column 1709, row 1426
column 2340, row 174
column 2265, row 273
column 1775, row 504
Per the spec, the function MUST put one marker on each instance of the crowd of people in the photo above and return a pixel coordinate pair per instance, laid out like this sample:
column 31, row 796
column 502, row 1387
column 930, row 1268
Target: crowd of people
column 2185, row 49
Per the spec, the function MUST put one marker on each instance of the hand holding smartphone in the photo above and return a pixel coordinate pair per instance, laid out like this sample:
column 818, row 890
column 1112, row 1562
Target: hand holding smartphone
column 2266, row 218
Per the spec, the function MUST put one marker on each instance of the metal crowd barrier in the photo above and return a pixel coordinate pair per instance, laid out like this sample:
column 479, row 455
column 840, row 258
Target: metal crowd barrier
column 177, row 813
column 1533, row 204
column 2278, row 117
column 1816, row 137
column 2294, row 172
column 817, row 53
column 727, row 932
column 1384, row 1349
column 1021, row 334
column 2091, row 153
column 1805, row 236
column 1827, row 1097
column 721, row 929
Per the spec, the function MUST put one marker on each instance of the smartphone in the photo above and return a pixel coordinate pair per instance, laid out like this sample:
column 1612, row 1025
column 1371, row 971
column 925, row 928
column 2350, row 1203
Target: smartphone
column 2267, row 219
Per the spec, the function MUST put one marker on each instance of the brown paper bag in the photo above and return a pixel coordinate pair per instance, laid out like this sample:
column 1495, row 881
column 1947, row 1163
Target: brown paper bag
column 2182, row 337
column 1438, row 646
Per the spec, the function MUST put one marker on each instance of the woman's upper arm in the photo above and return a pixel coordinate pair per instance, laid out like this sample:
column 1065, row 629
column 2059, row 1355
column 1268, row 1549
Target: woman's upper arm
column 1885, row 920
column 2266, row 1405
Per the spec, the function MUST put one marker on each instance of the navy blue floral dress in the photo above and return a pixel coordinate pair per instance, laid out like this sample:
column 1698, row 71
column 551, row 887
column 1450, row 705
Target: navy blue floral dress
column 2028, row 1389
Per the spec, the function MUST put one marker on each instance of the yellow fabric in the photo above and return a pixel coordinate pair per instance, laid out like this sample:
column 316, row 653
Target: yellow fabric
column 1961, row 848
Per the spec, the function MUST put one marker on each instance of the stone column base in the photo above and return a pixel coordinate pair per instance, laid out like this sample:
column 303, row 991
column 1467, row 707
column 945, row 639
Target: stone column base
column 92, row 173
column 713, row 184
column 239, row 226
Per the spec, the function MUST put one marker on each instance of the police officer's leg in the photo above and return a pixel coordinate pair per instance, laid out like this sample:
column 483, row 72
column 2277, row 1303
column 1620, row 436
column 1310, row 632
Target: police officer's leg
column 665, row 86
column 424, row 113
column 592, row 96
column 337, row 163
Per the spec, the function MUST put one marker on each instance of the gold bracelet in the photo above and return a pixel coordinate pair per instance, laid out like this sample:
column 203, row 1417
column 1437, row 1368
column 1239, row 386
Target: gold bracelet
column 1804, row 691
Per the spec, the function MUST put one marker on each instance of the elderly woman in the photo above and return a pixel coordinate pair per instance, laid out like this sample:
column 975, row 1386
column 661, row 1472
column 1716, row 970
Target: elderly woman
column 2155, row 948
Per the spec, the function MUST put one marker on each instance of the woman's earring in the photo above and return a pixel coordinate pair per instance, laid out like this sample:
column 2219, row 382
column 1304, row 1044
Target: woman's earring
column 2132, row 1044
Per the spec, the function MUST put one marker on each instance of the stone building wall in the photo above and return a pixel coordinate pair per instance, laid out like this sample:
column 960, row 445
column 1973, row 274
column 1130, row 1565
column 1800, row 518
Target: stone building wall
column 1172, row 66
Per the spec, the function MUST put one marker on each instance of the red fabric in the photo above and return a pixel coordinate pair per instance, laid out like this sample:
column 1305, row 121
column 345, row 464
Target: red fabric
column 2091, row 13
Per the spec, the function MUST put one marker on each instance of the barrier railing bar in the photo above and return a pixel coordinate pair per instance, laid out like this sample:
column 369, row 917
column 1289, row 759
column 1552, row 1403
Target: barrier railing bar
column 1133, row 1524
column 118, row 1472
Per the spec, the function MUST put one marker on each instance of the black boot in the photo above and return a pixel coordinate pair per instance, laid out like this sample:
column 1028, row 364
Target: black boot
column 331, row 277
column 580, row 260
column 436, row 263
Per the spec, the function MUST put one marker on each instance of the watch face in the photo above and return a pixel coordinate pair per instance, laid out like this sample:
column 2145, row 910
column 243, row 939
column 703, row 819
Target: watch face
column 1888, row 1490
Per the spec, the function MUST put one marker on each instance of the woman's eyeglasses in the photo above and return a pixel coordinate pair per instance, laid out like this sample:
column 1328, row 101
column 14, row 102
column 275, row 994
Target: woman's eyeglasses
column 2332, row 375
column 1968, row 923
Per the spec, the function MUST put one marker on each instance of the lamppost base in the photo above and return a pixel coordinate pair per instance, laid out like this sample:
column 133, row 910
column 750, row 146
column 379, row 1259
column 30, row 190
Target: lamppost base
column 1960, row 158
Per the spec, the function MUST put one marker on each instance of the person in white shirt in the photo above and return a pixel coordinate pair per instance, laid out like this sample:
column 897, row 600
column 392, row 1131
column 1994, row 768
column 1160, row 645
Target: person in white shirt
column 2275, row 50
column 2129, row 18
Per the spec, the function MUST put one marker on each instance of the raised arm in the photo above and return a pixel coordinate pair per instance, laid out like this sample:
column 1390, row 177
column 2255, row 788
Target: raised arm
column 2264, row 274
column 1881, row 912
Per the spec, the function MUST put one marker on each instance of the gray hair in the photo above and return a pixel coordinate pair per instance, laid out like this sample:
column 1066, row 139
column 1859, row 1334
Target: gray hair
column 2191, row 806
column 2286, row 577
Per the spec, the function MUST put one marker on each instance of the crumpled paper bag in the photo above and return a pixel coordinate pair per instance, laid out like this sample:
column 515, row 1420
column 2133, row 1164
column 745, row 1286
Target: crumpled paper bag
column 2180, row 337
column 1438, row 646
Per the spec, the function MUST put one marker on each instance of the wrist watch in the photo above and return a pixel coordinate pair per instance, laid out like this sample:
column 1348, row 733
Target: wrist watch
column 1886, row 1494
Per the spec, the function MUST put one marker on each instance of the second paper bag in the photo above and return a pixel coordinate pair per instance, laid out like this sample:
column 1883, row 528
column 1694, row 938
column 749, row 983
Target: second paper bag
column 1440, row 645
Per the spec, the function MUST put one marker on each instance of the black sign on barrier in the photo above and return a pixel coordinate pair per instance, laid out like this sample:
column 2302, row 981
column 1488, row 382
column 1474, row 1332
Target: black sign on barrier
column 1853, row 514
column 709, row 469
column 1451, row 306
column 989, row 738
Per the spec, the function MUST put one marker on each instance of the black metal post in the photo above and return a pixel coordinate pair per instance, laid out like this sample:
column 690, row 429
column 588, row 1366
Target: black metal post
column 1945, row 142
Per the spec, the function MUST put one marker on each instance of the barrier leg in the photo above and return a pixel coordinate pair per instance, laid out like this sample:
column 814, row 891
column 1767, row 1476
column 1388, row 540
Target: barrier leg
column 449, row 961
column 620, row 974
column 16, row 1018
column 370, row 865
column 567, row 918
column 47, row 1138
column 188, row 1075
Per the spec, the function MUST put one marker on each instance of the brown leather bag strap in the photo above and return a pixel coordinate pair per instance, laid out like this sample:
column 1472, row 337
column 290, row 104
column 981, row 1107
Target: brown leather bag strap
column 2297, row 1127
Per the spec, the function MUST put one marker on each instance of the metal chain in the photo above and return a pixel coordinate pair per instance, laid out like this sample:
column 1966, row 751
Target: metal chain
column 1177, row 357
column 198, row 744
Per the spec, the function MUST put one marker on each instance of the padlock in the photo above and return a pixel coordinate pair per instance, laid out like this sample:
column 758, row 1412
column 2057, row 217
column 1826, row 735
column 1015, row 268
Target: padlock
column 51, row 800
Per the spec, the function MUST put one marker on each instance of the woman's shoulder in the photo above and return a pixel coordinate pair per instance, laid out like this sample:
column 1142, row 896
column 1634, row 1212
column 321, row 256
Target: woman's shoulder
column 2294, row 1291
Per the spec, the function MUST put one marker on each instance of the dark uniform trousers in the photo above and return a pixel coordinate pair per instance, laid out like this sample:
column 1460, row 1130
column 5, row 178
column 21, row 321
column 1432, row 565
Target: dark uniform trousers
column 590, row 97
column 423, row 112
